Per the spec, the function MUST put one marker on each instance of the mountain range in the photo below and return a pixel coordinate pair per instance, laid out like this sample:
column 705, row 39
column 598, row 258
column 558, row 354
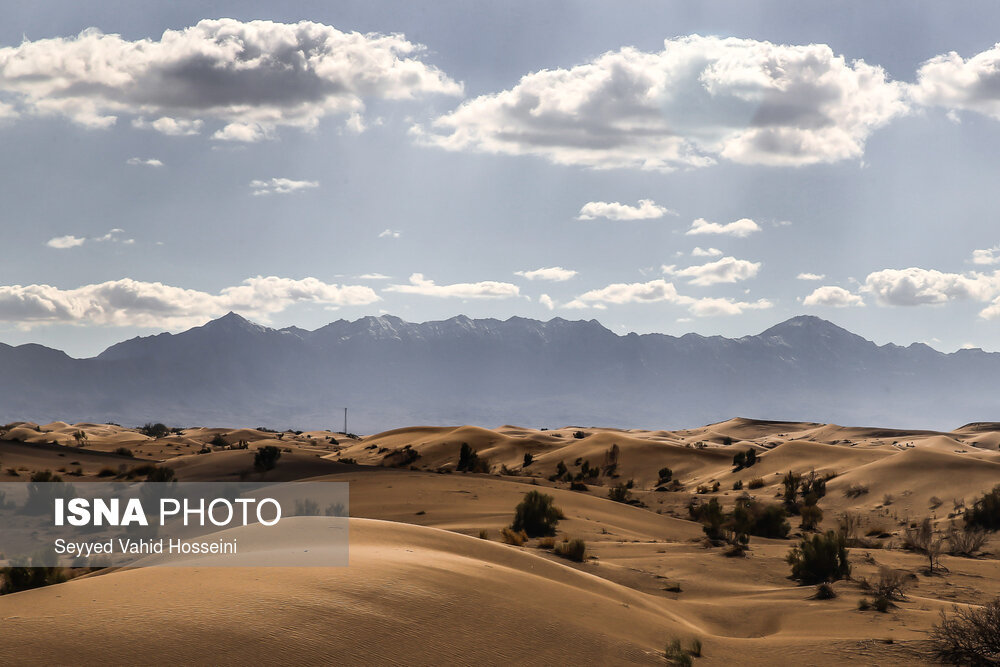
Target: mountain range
column 391, row 373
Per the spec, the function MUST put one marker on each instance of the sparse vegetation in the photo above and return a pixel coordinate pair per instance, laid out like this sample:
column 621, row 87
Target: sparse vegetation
column 856, row 490
column 821, row 558
column 969, row 635
column 965, row 541
column 528, row 460
column 825, row 592
column 536, row 515
column 676, row 655
column 756, row 483
column 574, row 550
column 156, row 430
column 266, row 458
column 620, row 493
column 124, row 451
column 922, row 537
column 514, row 537
column 985, row 511
column 665, row 475
column 469, row 461
column 744, row 459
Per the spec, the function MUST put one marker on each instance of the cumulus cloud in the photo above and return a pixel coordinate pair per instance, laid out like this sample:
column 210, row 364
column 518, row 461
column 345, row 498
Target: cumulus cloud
column 487, row 289
column 373, row 276
column 554, row 273
column 915, row 286
column 698, row 100
column 986, row 256
column 646, row 209
column 280, row 186
column 547, row 301
column 836, row 297
column 661, row 291
column 810, row 276
column 251, row 77
column 389, row 234
column 706, row 252
column 139, row 162
column 63, row 242
column 128, row 302
column 954, row 83
column 725, row 270
column 740, row 228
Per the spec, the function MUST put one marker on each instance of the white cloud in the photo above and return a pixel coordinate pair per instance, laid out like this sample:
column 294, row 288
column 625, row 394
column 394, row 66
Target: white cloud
column 698, row 100
column 955, row 83
column 245, row 132
column 986, row 256
column 63, row 242
column 280, row 186
column 706, row 252
column 810, row 276
column 657, row 291
column 725, row 270
column 547, row 301
column 740, row 228
column 128, row 302
column 487, row 289
column 646, row 209
column 836, row 297
column 554, row 273
column 172, row 127
column 242, row 74
column 915, row 286
column 389, row 234
column 373, row 276
column 139, row 162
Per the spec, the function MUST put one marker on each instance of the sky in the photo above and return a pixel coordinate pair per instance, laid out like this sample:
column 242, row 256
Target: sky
column 715, row 167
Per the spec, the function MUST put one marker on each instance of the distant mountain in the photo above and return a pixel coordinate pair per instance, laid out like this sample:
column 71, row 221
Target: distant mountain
column 390, row 373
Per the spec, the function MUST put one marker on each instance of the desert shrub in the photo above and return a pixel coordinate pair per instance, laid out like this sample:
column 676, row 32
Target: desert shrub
column 791, row 483
column 80, row 437
column 745, row 459
column 820, row 558
column 881, row 604
column 864, row 604
column 306, row 507
column 737, row 485
column 665, row 475
column 756, row 483
column 515, row 537
column 612, row 457
column 812, row 488
column 528, row 460
column 484, row 534
column 965, row 542
column 702, row 489
column 107, row 472
column 969, row 636
column 28, row 575
column 578, row 486
column 676, row 655
column 547, row 543
column 336, row 509
column 579, row 435
column 856, row 490
column 266, row 458
column 620, row 493
column 574, row 550
column 811, row 516
column 711, row 518
column 769, row 520
column 888, row 499
column 160, row 475
column 124, row 451
column 536, row 515
column 985, row 511
column 156, row 430
column 924, row 539
column 825, row 592
column 218, row 441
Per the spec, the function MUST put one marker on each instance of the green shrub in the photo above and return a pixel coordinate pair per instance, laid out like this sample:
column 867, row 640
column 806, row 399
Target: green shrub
column 820, row 558
column 985, row 511
column 575, row 550
column 266, row 458
column 536, row 515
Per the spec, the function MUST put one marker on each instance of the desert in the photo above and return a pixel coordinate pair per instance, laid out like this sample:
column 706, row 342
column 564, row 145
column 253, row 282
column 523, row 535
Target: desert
column 438, row 574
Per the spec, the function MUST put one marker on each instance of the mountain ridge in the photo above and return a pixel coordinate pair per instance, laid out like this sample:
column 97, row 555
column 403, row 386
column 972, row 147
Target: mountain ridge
column 489, row 371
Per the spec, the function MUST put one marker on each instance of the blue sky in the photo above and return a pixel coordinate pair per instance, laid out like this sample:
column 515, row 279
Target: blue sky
column 711, row 167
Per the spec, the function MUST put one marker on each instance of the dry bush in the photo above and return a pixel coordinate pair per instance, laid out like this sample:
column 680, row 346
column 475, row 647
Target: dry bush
column 515, row 537
column 969, row 636
column 967, row 541
column 856, row 490
column 756, row 483
column 547, row 543
column 935, row 502
column 575, row 550
column 923, row 538
column 484, row 534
